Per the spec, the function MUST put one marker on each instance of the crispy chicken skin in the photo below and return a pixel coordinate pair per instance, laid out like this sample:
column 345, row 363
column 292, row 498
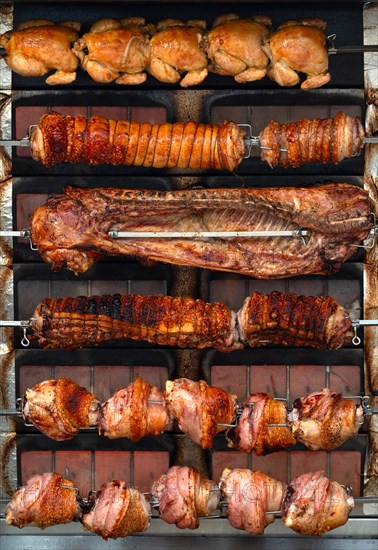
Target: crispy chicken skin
column 184, row 495
column 252, row 434
column 116, row 50
column 324, row 420
column 313, row 505
column 118, row 511
column 135, row 412
column 59, row 408
column 250, row 495
column 234, row 47
column 39, row 46
column 199, row 408
column 43, row 502
column 176, row 49
column 299, row 47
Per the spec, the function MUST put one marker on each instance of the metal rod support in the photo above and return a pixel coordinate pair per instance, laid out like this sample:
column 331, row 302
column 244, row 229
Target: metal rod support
column 114, row 234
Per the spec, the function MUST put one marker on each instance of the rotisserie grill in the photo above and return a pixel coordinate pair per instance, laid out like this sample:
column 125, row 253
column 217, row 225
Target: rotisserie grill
column 189, row 275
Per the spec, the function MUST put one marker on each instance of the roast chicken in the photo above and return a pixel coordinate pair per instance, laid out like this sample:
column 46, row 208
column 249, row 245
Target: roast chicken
column 313, row 504
column 299, row 47
column 176, row 48
column 116, row 50
column 250, row 495
column 59, row 408
column 252, row 433
column 324, row 420
column 200, row 410
column 39, row 46
column 135, row 412
column 234, row 47
column 184, row 496
column 118, row 511
column 46, row 499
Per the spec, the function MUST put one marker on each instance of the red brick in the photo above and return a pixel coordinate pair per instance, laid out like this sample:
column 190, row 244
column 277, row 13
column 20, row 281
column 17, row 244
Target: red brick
column 110, row 378
column 116, row 112
column 270, row 379
column 348, row 293
column 61, row 289
column 35, row 462
column 308, row 287
column 156, row 376
column 111, row 465
column 72, row 110
column 153, row 115
column 26, row 203
column 231, row 290
column 227, row 459
column 31, row 375
column 274, row 465
column 345, row 467
column 239, row 114
column 107, row 287
column 148, row 287
column 307, row 461
column 305, row 379
column 81, row 374
column 76, row 466
column 148, row 466
column 24, row 118
column 265, row 287
column 345, row 379
column 231, row 378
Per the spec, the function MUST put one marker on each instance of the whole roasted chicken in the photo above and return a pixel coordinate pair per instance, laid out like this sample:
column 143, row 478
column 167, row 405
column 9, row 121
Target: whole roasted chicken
column 298, row 47
column 116, row 50
column 176, row 49
column 39, row 46
column 234, row 47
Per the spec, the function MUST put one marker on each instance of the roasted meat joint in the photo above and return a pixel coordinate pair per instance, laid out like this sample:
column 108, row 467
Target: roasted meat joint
column 188, row 275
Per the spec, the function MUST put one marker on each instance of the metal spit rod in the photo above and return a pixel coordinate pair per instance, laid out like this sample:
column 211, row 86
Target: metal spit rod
column 115, row 234
column 250, row 141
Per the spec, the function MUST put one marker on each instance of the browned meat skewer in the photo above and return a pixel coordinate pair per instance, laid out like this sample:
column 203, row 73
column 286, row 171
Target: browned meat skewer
column 324, row 420
column 73, row 229
column 135, row 412
column 97, row 140
column 311, row 140
column 293, row 320
column 250, row 495
column 200, row 410
column 59, row 408
column 275, row 318
column 184, row 495
column 44, row 501
column 71, row 323
column 313, row 504
column 118, row 511
column 252, row 433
